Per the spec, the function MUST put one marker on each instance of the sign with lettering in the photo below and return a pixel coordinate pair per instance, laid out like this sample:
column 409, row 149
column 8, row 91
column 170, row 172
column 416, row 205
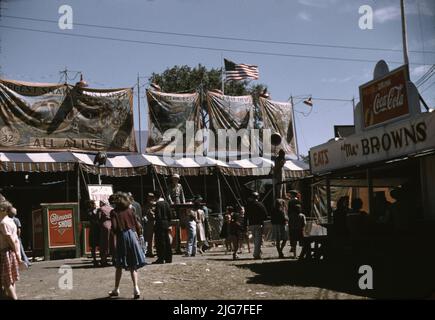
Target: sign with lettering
column 100, row 192
column 378, row 144
column 385, row 98
column 60, row 228
column 61, row 117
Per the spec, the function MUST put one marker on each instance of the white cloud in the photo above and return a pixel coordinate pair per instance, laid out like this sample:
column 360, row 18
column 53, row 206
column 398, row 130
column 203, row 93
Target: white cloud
column 387, row 14
column 318, row 3
column 304, row 16
column 392, row 12
column 338, row 80
column 417, row 72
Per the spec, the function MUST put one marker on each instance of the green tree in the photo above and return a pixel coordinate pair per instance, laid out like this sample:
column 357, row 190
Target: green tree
column 181, row 79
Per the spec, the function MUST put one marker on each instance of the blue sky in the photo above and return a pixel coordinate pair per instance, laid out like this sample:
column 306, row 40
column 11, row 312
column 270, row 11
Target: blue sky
column 32, row 56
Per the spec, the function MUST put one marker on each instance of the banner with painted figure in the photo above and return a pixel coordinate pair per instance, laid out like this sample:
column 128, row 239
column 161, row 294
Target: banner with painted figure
column 235, row 113
column 41, row 117
column 278, row 117
column 173, row 121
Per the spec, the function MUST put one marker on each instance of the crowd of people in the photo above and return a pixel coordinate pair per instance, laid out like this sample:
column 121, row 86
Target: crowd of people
column 350, row 218
column 124, row 232
column 288, row 223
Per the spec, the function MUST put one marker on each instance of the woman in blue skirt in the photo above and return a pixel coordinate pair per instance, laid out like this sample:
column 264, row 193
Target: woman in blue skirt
column 128, row 253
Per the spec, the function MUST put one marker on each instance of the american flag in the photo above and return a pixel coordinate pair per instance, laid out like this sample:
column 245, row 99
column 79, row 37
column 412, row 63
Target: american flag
column 240, row 71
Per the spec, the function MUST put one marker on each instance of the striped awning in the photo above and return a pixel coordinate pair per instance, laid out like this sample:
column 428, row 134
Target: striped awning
column 139, row 164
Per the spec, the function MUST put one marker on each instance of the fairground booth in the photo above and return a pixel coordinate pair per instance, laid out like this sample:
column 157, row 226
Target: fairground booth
column 391, row 147
column 388, row 161
column 62, row 145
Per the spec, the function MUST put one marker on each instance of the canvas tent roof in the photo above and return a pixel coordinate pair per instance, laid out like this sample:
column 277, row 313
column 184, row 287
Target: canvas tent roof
column 137, row 164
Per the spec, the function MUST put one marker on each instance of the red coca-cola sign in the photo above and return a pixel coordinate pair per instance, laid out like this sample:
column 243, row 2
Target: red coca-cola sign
column 386, row 98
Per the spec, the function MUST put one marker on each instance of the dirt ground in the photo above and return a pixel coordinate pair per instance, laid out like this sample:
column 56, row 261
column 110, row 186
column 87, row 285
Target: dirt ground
column 213, row 275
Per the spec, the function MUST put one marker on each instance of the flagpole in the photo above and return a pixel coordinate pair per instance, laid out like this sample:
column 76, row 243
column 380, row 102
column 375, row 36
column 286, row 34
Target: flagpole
column 138, row 108
column 222, row 76
column 294, row 127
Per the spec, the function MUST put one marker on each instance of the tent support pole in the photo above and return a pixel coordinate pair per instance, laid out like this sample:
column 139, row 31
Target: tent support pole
column 295, row 134
column 370, row 189
column 231, row 189
column 205, row 186
column 219, row 191
column 154, row 180
column 328, row 199
column 141, row 190
column 78, row 189
column 67, row 186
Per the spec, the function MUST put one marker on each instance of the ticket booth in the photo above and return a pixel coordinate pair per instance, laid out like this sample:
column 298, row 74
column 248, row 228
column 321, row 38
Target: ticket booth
column 56, row 229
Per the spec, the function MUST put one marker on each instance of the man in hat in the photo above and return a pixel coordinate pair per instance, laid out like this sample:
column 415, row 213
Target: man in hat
column 148, row 222
column 256, row 214
column 162, row 228
column 292, row 210
column 176, row 192
column 278, row 175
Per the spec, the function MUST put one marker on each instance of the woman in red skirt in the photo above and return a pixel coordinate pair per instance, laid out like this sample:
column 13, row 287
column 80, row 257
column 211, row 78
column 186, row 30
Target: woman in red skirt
column 10, row 257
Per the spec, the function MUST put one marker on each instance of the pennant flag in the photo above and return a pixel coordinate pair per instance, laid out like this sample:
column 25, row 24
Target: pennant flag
column 240, row 71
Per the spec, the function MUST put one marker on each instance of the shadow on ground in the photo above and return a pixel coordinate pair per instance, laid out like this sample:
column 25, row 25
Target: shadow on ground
column 392, row 278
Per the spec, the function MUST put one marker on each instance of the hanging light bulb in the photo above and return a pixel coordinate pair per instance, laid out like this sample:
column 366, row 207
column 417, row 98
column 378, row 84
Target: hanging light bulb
column 309, row 102
column 264, row 94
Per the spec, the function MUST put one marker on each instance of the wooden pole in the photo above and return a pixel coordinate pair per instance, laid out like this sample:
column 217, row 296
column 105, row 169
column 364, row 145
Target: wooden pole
column 67, row 186
column 295, row 134
column 370, row 190
column 78, row 187
column 219, row 191
column 404, row 38
column 328, row 199
column 222, row 75
column 154, row 180
column 138, row 108
column 141, row 190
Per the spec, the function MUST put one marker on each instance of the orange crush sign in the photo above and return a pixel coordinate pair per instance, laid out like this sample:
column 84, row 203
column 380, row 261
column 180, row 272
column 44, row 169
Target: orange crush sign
column 386, row 98
column 60, row 228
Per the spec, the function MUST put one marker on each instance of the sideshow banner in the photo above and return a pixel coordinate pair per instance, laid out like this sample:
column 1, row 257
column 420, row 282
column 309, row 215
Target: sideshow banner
column 231, row 112
column 278, row 117
column 40, row 117
column 60, row 228
column 177, row 115
column 100, row 192
column 228, row 112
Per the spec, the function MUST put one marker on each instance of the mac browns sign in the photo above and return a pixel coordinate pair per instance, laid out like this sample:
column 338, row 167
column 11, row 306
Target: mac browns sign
column 386, row 98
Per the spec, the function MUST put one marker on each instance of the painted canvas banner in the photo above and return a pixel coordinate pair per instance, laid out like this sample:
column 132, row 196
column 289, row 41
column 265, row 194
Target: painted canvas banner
column 36, row 117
